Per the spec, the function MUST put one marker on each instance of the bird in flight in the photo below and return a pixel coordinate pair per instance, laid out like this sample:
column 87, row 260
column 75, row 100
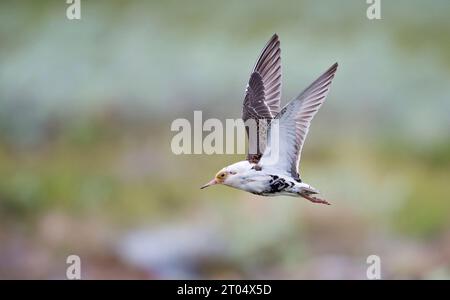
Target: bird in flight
column 272, row 164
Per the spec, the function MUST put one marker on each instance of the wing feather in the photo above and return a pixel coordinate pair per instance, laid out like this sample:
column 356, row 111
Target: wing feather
column 284, row 150
column 262, row 96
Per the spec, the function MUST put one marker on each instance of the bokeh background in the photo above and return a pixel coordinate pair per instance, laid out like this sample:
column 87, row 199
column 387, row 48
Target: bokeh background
column 86, row 166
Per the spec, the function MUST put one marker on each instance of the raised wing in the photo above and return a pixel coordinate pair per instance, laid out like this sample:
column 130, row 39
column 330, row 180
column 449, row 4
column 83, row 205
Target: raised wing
column 284, row 150
column 262, row 96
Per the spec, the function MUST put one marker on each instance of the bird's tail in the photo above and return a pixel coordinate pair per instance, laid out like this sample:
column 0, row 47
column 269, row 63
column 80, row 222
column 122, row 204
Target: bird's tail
column 307, row 193
column 309, row 190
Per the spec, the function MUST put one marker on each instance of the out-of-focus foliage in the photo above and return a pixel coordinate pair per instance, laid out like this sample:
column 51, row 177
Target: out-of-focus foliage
column 86, row 165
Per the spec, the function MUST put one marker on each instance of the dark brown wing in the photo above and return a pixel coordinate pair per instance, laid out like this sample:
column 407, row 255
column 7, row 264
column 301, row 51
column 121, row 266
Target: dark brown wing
column 262, row 97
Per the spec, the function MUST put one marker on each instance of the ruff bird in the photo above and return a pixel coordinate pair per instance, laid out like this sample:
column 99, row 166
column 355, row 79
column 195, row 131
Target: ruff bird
column 273, row 168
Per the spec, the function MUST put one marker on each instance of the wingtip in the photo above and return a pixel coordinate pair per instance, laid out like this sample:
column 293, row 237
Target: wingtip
column 335, row 66
column 274, row 39
column 332, row 69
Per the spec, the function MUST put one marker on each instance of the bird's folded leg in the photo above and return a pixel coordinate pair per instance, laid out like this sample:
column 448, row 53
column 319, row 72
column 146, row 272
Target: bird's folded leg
column 315, row 199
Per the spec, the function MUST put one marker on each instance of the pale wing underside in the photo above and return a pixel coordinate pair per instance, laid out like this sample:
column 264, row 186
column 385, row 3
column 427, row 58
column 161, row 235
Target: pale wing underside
column 262, row 96
column 293, row 125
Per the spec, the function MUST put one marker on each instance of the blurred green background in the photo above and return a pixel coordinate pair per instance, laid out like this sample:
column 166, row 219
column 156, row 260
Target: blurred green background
column 86, row 166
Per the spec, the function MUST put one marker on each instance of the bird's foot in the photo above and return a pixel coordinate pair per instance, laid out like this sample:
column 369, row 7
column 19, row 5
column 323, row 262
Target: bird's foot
column 315, row 199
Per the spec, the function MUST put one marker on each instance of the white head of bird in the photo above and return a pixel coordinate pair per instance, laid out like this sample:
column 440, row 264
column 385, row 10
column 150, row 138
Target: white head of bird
column 229, row 175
